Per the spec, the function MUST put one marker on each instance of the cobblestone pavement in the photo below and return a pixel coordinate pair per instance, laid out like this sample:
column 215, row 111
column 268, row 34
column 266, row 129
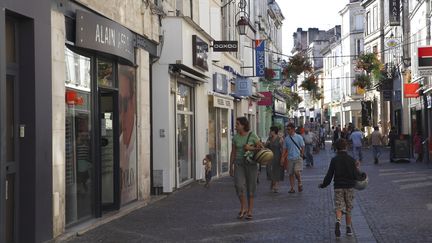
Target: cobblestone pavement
column 396, row 207
column 398, row 202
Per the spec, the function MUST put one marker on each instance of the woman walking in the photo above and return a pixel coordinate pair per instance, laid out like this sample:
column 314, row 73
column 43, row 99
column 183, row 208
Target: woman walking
column 244, row 172
column 275, row 170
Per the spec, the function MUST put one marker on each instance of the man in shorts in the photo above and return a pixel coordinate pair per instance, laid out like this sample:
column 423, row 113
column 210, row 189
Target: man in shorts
column 344, row 173
column 293, row 152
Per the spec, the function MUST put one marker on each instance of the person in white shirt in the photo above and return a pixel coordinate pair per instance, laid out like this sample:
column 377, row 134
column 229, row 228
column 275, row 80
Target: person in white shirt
column 357, row 141
column 308, row 138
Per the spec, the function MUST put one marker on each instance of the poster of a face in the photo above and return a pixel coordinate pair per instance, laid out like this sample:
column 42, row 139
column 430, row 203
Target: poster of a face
column 128, row 133
column 200, row 52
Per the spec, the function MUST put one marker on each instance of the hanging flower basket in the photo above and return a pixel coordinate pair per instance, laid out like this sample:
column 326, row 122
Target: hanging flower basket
column 269, row 74
column 369, row 62
column 309, row 83
column 318, row 96
column 362, row 81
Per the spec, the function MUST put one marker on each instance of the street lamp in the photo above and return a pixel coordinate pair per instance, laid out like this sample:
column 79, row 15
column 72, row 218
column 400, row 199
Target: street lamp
column 242, row 25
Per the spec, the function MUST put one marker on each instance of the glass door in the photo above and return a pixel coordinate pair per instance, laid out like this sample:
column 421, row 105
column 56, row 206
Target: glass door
column 108, row 142
column 223, row 141
column 185, row 133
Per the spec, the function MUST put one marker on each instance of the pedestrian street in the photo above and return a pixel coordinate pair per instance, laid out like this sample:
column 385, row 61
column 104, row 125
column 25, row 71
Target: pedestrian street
column 395, row 207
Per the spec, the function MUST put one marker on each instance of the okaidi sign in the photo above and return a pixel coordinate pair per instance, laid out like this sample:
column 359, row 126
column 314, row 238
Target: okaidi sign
column 425, row 60
column 411, row 90
column 260, row 58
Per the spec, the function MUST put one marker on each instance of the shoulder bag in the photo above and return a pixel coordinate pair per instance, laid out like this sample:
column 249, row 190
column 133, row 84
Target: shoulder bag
column 248, row 155
column 302, row 156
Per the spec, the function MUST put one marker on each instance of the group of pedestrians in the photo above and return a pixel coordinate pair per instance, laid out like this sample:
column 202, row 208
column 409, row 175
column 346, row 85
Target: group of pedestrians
column 288, row 155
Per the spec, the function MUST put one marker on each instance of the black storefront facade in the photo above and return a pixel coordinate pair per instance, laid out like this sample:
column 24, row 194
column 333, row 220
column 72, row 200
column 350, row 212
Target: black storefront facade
column 25, row 121
column 102, row 107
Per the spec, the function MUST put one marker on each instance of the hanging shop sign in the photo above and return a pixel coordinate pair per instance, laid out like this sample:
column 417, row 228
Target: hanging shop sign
column 101, row 34
column 425, row 60
column 199, row 53
column 260, row 58
column 225, row 46
column 394, row 15
column 411, row 90
column 278, row 74
column 220, row 83
column 387, row 95
column 267, row 99
column 243, row 87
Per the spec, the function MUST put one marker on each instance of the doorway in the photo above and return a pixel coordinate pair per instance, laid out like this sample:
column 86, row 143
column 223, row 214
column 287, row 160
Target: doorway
column 12, row 132
column 109, row 144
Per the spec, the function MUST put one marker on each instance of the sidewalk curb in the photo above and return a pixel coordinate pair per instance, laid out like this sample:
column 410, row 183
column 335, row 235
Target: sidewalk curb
column 360, row 226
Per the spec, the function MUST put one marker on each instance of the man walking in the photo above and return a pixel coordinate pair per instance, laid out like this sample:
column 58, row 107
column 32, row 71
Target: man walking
column 376, row 141
column 357, row 138
column 308, row 138
column 293, row 152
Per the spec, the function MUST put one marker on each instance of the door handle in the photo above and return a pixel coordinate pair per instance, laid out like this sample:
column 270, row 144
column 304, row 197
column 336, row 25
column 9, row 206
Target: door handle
column 7, row 185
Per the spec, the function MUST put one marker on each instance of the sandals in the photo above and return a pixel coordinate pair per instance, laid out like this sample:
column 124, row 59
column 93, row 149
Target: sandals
column 291, row 191
column 241, row 214
column 249, row 216
column 300, row 188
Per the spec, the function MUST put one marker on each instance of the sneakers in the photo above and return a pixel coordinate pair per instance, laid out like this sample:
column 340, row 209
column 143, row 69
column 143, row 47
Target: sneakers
column 337, row 229
column 349, row 231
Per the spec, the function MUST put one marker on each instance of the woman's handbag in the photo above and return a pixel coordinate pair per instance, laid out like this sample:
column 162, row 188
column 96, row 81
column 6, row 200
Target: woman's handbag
column 263, row 156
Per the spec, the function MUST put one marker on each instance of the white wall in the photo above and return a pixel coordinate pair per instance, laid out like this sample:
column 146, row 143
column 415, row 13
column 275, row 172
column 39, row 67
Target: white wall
column 163, row 116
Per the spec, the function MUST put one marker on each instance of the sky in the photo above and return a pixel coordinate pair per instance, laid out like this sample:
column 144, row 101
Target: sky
column 322, row 14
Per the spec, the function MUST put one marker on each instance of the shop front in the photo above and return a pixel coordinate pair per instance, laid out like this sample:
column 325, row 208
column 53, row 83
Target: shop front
column 98, row 170
column 280, row 117
column 220, row 107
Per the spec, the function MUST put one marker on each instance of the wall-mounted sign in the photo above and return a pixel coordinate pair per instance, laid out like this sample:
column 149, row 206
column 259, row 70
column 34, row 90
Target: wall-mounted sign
column 411, row 90
column 394, row 8
column 223, row 103
column 260, row 58
column 199, row 53
column 220, row 83
column 243, row 87
column 267, row 99
column 280, row 106
column 225, row 46
column 425, row 60
column 101, row 34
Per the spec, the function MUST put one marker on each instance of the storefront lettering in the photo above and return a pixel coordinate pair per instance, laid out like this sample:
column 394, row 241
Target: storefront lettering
column 105, row 35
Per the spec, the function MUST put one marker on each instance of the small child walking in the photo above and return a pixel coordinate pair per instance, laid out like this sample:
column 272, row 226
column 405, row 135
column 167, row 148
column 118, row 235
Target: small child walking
column 207, row 166
column 344, row 173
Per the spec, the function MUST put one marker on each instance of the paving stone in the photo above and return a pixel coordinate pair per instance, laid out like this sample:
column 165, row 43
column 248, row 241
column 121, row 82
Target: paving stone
column 383, row 212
